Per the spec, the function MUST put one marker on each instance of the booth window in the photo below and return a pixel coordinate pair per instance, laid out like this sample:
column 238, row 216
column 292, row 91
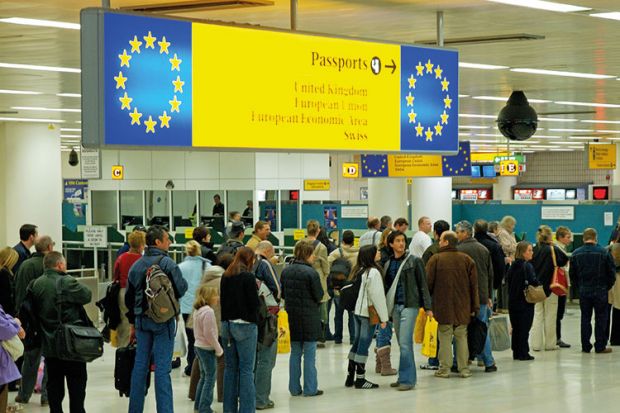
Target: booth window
column 104, row 207
column 132, row 208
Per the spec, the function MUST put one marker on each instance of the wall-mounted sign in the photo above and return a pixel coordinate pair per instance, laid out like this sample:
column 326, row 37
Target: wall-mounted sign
column 350, row 170
column 558, row 213
column 89, row 164
column 509, row 168
column 76, row 190
column 95, row 236
column 330, row 93
column 354, row 211
column 602, row 156
column 118, row 172
column 299, row 234
column 316, row 184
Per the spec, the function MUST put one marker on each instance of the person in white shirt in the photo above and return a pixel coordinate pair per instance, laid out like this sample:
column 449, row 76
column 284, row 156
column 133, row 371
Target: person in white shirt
column 373, row 235
column 421, row 239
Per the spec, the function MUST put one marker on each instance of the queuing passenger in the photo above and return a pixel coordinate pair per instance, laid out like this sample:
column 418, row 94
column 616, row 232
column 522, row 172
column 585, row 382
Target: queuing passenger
column 371, row 296
column 192, row 269
column 126, row 245
column 261, row 233
column 235, row 239
column 386, row 223
column 303, row 293
column 519, row 276
column 350, row 252
column 9, row 328
column 153, row 339
column 407, row 292
column 453, row 285
column 207, row 344
column 421, row 240
column 494, row 230
column 508, row 242
column 563, row 238
column 123, row 264
column 47, row 290
column 239, row 302
column 614, row 336
column 248, row 214
column 218, row 206
column 439, row 227
column 321, row 266
column 27, row 235
column 484, row 271
column 202, row 235
column 325, row 240
column 30, row 270
column 234, row 217
column 8, row 259
column 546, row 312
column 481, row 233
column 384, row 248
column 401, row 224
column 593, row 272
column 373, row 235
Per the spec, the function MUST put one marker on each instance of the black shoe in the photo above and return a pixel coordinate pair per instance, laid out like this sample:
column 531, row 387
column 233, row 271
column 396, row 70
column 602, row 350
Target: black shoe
column 526, row 358
column 318, row 393
column 562, row 344
column 176, row 363
column 454, row 369
column 490, row 369
column 365, row 384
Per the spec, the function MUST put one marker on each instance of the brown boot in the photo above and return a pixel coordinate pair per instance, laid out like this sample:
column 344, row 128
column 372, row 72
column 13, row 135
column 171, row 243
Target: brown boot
column 383, row 354
column 377, row 363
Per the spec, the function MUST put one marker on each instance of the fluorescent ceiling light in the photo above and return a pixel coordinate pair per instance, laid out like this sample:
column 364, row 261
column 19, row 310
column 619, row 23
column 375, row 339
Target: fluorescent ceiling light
column 607, row 131
column 558, row 120
column 470, row 115
column 463, row 96
column 614, row 15
column 543, row 5
column 41, row 68
column 482, row 141
column 613, row 139
column 45, row 109
column 504, row 99
column 18, row 92
column 601, row 121
column 546, row 137
column 583, row 138
column 69, row 95
column 70, row 130
column 473, row 127
column 601, row 105
column 70, row 136
column 41, row 23
column 562, row 143
column 569, row 130
column 561, row 73
column 481, row 66
column 30, row 120
column 491, row 135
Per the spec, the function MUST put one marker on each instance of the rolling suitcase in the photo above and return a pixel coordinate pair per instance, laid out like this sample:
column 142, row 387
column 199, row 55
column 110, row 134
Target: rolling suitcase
column 125, row 359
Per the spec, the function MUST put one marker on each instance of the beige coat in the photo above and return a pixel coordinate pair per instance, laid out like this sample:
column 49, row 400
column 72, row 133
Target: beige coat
column 508, row 242
column 321, row 266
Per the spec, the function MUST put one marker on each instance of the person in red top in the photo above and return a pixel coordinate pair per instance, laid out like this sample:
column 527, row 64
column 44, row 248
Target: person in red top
column 121, row 272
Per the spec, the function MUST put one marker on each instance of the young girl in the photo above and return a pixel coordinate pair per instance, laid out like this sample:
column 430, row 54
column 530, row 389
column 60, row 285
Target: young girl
column 207, row 346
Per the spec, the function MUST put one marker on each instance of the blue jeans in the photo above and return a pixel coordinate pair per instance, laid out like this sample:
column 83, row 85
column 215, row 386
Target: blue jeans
column 384, row 335
column 239, row 341
column 339, row 322
column 156, row 340
column 204, row 390
column 363, row 338
column 308, row 350
column 265, row 362
column 486, row 356
column 404, row 321
column 596, row 302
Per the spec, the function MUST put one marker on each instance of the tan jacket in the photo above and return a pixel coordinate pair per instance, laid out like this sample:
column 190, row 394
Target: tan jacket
column 508, row 242
column 253, row 242
column 321, row 265
column 350, row 253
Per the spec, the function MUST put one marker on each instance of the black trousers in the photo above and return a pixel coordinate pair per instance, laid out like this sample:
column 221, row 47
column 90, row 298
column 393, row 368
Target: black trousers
column 191, row 353
column 74, row 372
column 521, row 321
column 561, row 311
column 614, row 337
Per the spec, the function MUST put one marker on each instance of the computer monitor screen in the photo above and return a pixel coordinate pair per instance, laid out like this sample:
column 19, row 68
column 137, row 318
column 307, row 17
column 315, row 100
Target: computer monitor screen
column 488, row 171
column 571, row 194
column 475, row 171
column 556, row 194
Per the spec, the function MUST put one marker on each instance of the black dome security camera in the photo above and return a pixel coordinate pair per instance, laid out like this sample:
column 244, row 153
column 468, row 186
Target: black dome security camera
column 73, row 158
column 517, row 120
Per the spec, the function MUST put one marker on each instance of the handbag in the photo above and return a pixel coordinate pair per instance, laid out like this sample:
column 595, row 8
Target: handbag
column 79, row 340
column 559, row 282
column 14, row 347
column 534, row 295
column 499, row 333
column 373, row 315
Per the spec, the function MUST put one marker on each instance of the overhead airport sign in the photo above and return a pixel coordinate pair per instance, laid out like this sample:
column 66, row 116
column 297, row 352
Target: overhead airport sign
column 150, row 81
column 602, row 156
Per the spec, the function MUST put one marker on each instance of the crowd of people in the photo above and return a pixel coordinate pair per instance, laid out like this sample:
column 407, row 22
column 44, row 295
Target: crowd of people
column 229, row 297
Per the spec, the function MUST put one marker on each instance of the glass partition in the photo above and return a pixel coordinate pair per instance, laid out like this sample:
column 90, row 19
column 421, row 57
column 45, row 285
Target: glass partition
column 211, row 215
column 184, row 208
column 242, row 202
column 268, row 208
column 290, row 208
column 157, row 208
column 132, row 203
column 104, row 207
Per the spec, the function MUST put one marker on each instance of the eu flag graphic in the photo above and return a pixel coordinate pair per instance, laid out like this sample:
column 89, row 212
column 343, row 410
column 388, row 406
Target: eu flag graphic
column 459, row 164
column 148, row 81
column 374, row 166
column 429, row 100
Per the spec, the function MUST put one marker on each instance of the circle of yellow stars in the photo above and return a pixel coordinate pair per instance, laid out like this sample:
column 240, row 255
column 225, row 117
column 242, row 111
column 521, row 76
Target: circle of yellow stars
column 457, row 171
column 175, row 65
column 437, row 71
column 378, row 171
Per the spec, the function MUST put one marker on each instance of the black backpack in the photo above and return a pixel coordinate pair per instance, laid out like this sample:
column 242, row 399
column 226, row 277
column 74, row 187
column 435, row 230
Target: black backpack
column 476, row 337
column 349, row 293
column 28, row 317
column 339, row 272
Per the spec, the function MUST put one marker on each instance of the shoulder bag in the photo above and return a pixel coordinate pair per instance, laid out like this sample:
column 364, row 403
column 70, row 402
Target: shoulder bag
column 559, row 282
column 373, row 315
column 14, row 347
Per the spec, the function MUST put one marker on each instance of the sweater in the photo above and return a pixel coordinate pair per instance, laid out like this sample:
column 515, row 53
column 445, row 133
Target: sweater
column 371, row 293
column 123, row 265
column 8, row 329
column 192, row 269
column 205, row 330
column 239, row 297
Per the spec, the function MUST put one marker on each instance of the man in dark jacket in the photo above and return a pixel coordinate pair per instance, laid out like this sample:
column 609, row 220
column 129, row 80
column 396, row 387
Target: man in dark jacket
column 498, row 258
column 593, row 272
column 235, row 239
column 202, row 235
column 439, row 227
column 484, row 270
column 54, row 286
column 27, row 237
column 29, row 271
column 154, row 339
column 453, row 285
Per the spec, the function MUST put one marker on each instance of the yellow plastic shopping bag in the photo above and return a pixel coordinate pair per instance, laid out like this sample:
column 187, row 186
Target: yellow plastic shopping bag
column 429, row 345
column 420, row 323
column 284, row 333
column 113, row 338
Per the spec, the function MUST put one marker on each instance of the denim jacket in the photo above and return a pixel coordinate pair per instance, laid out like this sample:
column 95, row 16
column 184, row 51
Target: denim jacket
column 592, row 269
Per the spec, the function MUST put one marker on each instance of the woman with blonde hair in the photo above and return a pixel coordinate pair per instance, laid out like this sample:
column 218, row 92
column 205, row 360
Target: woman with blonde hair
column 192, row 268
column 383, row 246
column 8, row 259
column 546, row 257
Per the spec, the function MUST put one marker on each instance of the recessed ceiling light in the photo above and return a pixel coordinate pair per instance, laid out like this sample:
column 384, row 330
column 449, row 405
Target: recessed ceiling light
column 601, row 121
column 614, row 15
column 470, row 115
column 558, row 120
column 481, row 66
column 18, row 92
column 41, row 23
column 543, row 5
column 602, row 105
column 31, row 120
column 45, row 109
column 473, row 127
column 561, row 73
column 41, row 68
column 69, row 95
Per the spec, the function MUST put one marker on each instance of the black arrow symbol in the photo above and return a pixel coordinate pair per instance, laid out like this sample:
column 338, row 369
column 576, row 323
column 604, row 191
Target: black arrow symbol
column 392, row 66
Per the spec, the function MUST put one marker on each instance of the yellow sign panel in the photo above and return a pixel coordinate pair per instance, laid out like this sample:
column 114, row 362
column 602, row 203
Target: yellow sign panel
column 189, row 233
column 602, row 156
column 299, row 234
column 316, row 184
column 487, row 156
column 414, row 165
column 350, row 170
column 117, row 172
column 356, row 242
column 509, row 168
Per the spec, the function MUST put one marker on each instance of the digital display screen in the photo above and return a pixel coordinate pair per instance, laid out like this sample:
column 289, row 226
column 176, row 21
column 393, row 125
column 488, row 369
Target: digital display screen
column 600, row 193
column 571, row 194
column 475, row 171
column 485, row 194
column 556, row 194
column 538, row 194
column 469, row 194
column 488, row 171
column 523, row 195
column 454, row 194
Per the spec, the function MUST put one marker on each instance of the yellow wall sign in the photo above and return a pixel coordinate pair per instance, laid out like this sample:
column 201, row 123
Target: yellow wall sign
column 487, row 156
column 414, row 165
column 299, row 234
column 118, row 172
column 316, row 184
column 509, row 168
column 189, row 233
column 602, row 156
column 350, row 170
